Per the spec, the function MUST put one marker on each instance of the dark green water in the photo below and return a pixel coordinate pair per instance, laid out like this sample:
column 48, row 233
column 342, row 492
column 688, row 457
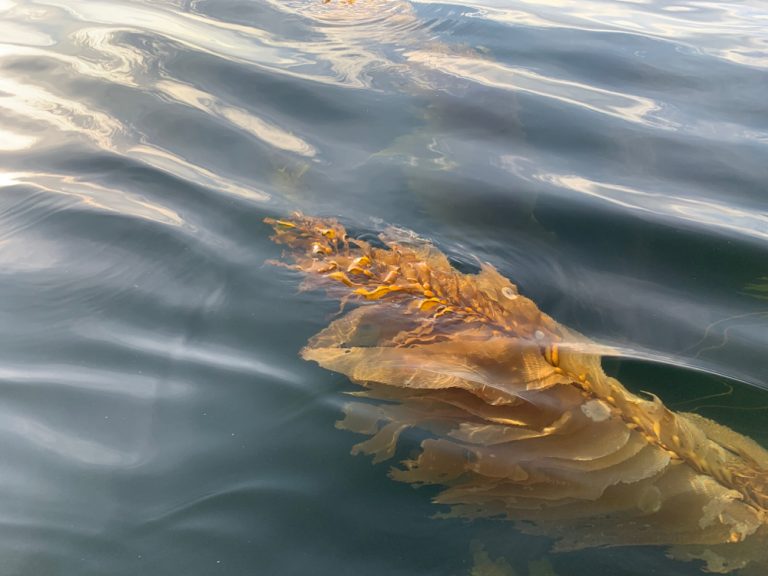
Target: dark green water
column 609, row 157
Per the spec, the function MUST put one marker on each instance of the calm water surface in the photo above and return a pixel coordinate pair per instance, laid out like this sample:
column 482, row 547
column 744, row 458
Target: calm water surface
column 610, row 157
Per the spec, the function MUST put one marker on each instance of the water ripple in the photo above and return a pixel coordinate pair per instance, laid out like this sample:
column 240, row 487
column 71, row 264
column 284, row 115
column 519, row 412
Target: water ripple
column 622, row 106
column 664, row 205
column 735, row 32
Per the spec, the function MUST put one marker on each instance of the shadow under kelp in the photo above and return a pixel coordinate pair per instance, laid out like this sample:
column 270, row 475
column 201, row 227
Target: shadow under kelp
column 519, row 418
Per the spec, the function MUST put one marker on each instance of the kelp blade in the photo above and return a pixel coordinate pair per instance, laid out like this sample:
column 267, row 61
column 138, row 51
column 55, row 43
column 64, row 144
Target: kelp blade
column 521, row 421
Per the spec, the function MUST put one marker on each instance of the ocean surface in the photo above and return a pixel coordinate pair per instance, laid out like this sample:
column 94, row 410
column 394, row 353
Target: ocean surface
column 610, row 157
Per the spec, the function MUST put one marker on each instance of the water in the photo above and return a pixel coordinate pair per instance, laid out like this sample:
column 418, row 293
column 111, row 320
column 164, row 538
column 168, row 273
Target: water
column 609, row 157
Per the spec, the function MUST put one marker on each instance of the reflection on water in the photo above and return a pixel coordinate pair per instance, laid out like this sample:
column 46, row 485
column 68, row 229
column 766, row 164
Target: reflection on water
column 664, row 205
column 734, row 32
column 608, row 156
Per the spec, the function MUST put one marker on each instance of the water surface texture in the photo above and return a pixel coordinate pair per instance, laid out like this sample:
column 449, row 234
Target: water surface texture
column 609, row 157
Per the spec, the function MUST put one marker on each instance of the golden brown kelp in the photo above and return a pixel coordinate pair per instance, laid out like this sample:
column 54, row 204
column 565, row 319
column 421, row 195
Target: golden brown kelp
column 522, row 420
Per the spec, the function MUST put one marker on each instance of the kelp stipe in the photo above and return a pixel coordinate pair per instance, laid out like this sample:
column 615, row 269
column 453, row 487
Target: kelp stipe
column 522, row 421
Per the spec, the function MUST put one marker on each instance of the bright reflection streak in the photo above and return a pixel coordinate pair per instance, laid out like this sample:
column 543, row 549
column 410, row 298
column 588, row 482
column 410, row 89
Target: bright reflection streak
column 126, row 65
column 209, row 355
column 34, row 102
column 30, row 102
column 264, row 131
column 166, row 161
column 117, row 62
column 737, row 32
column 246, row 45
column 135, row 387
column 8, row 179
column 353, row 35
column 705, row 213
column 67, row 445
column 95, row 196
column 15, row 33
column 237, row 42
column 623, row 106
column 13, row 141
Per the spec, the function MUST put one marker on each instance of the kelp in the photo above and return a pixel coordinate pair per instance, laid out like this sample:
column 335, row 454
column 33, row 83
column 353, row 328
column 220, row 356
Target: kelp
column 484, row 565
column 758, row 288
column 519, row 419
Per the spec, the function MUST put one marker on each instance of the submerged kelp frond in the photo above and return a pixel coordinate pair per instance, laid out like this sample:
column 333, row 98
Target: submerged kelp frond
column 523, row 421
column 758, row 288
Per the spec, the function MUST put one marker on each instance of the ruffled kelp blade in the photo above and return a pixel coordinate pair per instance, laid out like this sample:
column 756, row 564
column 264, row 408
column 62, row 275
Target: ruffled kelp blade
column 519, row 419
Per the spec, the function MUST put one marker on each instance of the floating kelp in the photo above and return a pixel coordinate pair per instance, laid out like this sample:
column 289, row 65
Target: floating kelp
column 521, row 420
